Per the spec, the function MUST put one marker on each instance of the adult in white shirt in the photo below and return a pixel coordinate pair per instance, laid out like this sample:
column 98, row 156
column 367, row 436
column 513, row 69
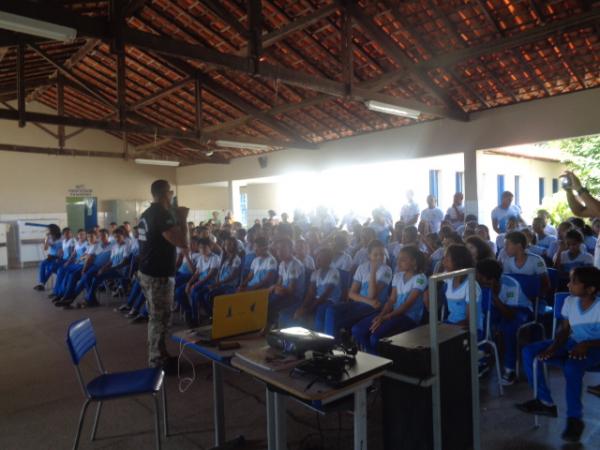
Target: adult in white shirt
column 504, row 211
column 456, row 213
column 432, row 214
column 409, row 213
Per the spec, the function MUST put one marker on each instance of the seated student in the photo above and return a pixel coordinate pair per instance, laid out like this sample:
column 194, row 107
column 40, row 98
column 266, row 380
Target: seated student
column 458, row 257
column 468, row 228
column 520, row 261
column 435, row 251
column 301, row 251
column 111, row 232
column 511, row 310
column 115, row 268
column 367, row 235
column 512, row 224
column 186, row 267
column 432, row 214
column 66, row 252
column 404, row 308
column 543, row 240
column 229, row 272
column 53, row 245
column 371, row 281
column 324, row 290
column 588, row 235
column 74, row 271
column 205, row 273
column 456, row 213
column 571, row 256
column 340, row 259
column 76, row 258
column 560, row 245
column 263, row 271
column 288, row 291
column 98, row 255
column 484, row 233
column 379, row 226
column 576, row 348
column 478, row 248
column 504, row 211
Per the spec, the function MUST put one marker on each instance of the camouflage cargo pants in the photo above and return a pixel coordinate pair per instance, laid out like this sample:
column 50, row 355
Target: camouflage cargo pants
column 159, row 294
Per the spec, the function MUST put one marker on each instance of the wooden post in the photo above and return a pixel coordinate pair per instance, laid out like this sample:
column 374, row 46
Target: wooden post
column 60, row 108
column 21, row 83
column 198, row 105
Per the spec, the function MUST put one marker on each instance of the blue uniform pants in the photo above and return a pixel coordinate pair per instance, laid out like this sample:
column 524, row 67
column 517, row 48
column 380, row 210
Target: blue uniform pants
column 344, row 315
column 47, row 268
column 84, row 282
column 573, row 370
column 279, row 303
column 509, row 328
column 369, row 341
column 97, row 280
column 136, row 295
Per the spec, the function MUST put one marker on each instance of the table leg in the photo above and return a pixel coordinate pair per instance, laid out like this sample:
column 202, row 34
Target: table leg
column 276, row 420
column 360, row 419
column 218, row 405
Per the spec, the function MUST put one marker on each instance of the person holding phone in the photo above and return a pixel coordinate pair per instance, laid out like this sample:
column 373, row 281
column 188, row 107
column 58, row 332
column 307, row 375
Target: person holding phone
column 162, row 228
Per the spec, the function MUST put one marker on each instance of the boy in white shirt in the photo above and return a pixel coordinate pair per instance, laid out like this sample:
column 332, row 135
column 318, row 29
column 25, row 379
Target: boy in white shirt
column 409, row 213
column 432, row 214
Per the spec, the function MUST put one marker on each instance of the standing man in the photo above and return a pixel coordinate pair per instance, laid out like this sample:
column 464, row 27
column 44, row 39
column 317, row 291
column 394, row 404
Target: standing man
column 504, row 211
column 409, row 213
column 456, row 213
column 432, row 214
column 162, row 228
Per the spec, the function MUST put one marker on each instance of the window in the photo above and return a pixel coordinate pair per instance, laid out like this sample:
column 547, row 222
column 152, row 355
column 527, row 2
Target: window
column 542, row 190
column 500, row 188
column 460, row 186
column 244, row 207
column 434, row 183
column 517, row 190
column 554, row 185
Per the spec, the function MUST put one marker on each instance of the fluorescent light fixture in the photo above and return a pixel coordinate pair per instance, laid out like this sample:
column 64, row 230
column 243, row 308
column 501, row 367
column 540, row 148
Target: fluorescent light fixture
column 236, row 144
column 157, row 162
column 392, row 109
column 35, row 27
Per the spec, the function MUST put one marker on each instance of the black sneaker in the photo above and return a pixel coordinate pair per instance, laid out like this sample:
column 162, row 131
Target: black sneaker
column 63, row 302
column 573, row 431
column 537, row 407
column 39, row 287
column 57, row 299
column 594, row 390
column 508, row 378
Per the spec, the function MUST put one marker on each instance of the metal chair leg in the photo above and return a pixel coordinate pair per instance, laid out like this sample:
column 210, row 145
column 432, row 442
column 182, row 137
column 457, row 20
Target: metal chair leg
column 164, row 404
column 80, row 424
column 156, row 421
column 536, row 421
column 498, row 373
column 96, row 420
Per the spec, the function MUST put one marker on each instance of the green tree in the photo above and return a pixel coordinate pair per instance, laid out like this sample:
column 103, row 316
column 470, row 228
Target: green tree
column 583, row 158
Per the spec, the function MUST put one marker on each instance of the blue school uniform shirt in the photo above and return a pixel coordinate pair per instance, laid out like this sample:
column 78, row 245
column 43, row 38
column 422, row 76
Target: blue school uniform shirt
column 261, row 267
column 381, row 231
column 323, row 280
column 54, row 247
column 404, row 288
column 343, row 261
column 293, row 271
column 363, row 275
column 585, row 325
column 118, row 253
column 590, row 244
column 458, row 300
column 101, row 253
column 512, row 295
column 582, row 259
column 546, row 242
column 228, row 267
column 68, row 246
column 502, row 215
column 534, row 265
column 205, row 264
column 308, row 262
column 185, row 268
column 81, row 249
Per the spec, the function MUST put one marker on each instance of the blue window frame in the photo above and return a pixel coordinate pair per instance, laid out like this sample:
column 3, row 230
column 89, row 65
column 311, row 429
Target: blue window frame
column 434, row 183
column 500, row 187
column 542, row 189
column 554, row 185
column 517, row 189
column 459, row 183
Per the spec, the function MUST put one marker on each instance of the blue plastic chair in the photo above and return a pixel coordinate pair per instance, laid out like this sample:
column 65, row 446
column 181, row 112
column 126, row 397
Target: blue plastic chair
column 109, row 386
column 486, row 306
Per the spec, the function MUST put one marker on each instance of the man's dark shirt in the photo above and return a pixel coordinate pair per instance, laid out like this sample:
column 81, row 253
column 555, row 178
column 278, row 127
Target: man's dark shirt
column 157, row 255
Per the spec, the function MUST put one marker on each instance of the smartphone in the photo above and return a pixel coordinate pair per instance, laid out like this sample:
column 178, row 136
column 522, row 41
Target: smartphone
column 174, row 203
column 565, row 182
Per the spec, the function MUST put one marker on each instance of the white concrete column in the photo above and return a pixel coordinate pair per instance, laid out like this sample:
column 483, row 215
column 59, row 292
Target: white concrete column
column 235, row 206
column 471, row 185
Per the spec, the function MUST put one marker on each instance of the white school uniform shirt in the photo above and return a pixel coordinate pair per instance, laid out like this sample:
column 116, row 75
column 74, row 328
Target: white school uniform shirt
column 454, row 216
column 545, row 243
column 550, row 230
column 408, row 211
column 500, row 241
column 585, row 325
column 403, row 290
column 534, row 265
column 323, row 280
column 382, row 232
column 492, row 247
column 553, row 249
column 102, row 253
column 68, row 245
column 511, row 293
column 185, row 267
column 81, row 249
column 343, row 261
column 583, row 259
column 434, row 216
column 502, row 215
column 206, row 263
column 362, row 256
column 261, row 267
column 227, row 268
column 363, row 276
column 308, row 262
column 292, row 271
column 118, row 253
column 395, row 248
column 458, row 300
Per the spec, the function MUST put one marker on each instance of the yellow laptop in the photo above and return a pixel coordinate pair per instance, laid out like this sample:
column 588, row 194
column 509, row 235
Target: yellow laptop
column 236, row 314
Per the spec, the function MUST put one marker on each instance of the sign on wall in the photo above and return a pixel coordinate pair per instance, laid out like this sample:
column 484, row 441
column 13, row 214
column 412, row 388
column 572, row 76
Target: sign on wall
column 80, row 191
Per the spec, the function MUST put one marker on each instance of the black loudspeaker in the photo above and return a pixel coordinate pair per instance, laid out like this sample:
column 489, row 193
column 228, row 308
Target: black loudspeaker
column 407, row 408
column 263, row 162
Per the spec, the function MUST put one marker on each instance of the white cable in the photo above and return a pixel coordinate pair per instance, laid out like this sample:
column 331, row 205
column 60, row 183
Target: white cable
column 185, row 382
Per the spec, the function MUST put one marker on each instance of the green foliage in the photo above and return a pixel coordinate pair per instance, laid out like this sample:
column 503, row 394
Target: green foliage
column 584, row 159
column 558, row 207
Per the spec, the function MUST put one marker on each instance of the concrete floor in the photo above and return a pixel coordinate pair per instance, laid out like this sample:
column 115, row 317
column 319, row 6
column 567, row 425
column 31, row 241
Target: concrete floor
column 41, row 397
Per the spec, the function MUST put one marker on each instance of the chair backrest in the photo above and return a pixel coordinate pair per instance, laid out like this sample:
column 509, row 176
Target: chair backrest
column 486, row 307
column 80, row 339
column 559, row 301
column 553, row 276
column 530, row 284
